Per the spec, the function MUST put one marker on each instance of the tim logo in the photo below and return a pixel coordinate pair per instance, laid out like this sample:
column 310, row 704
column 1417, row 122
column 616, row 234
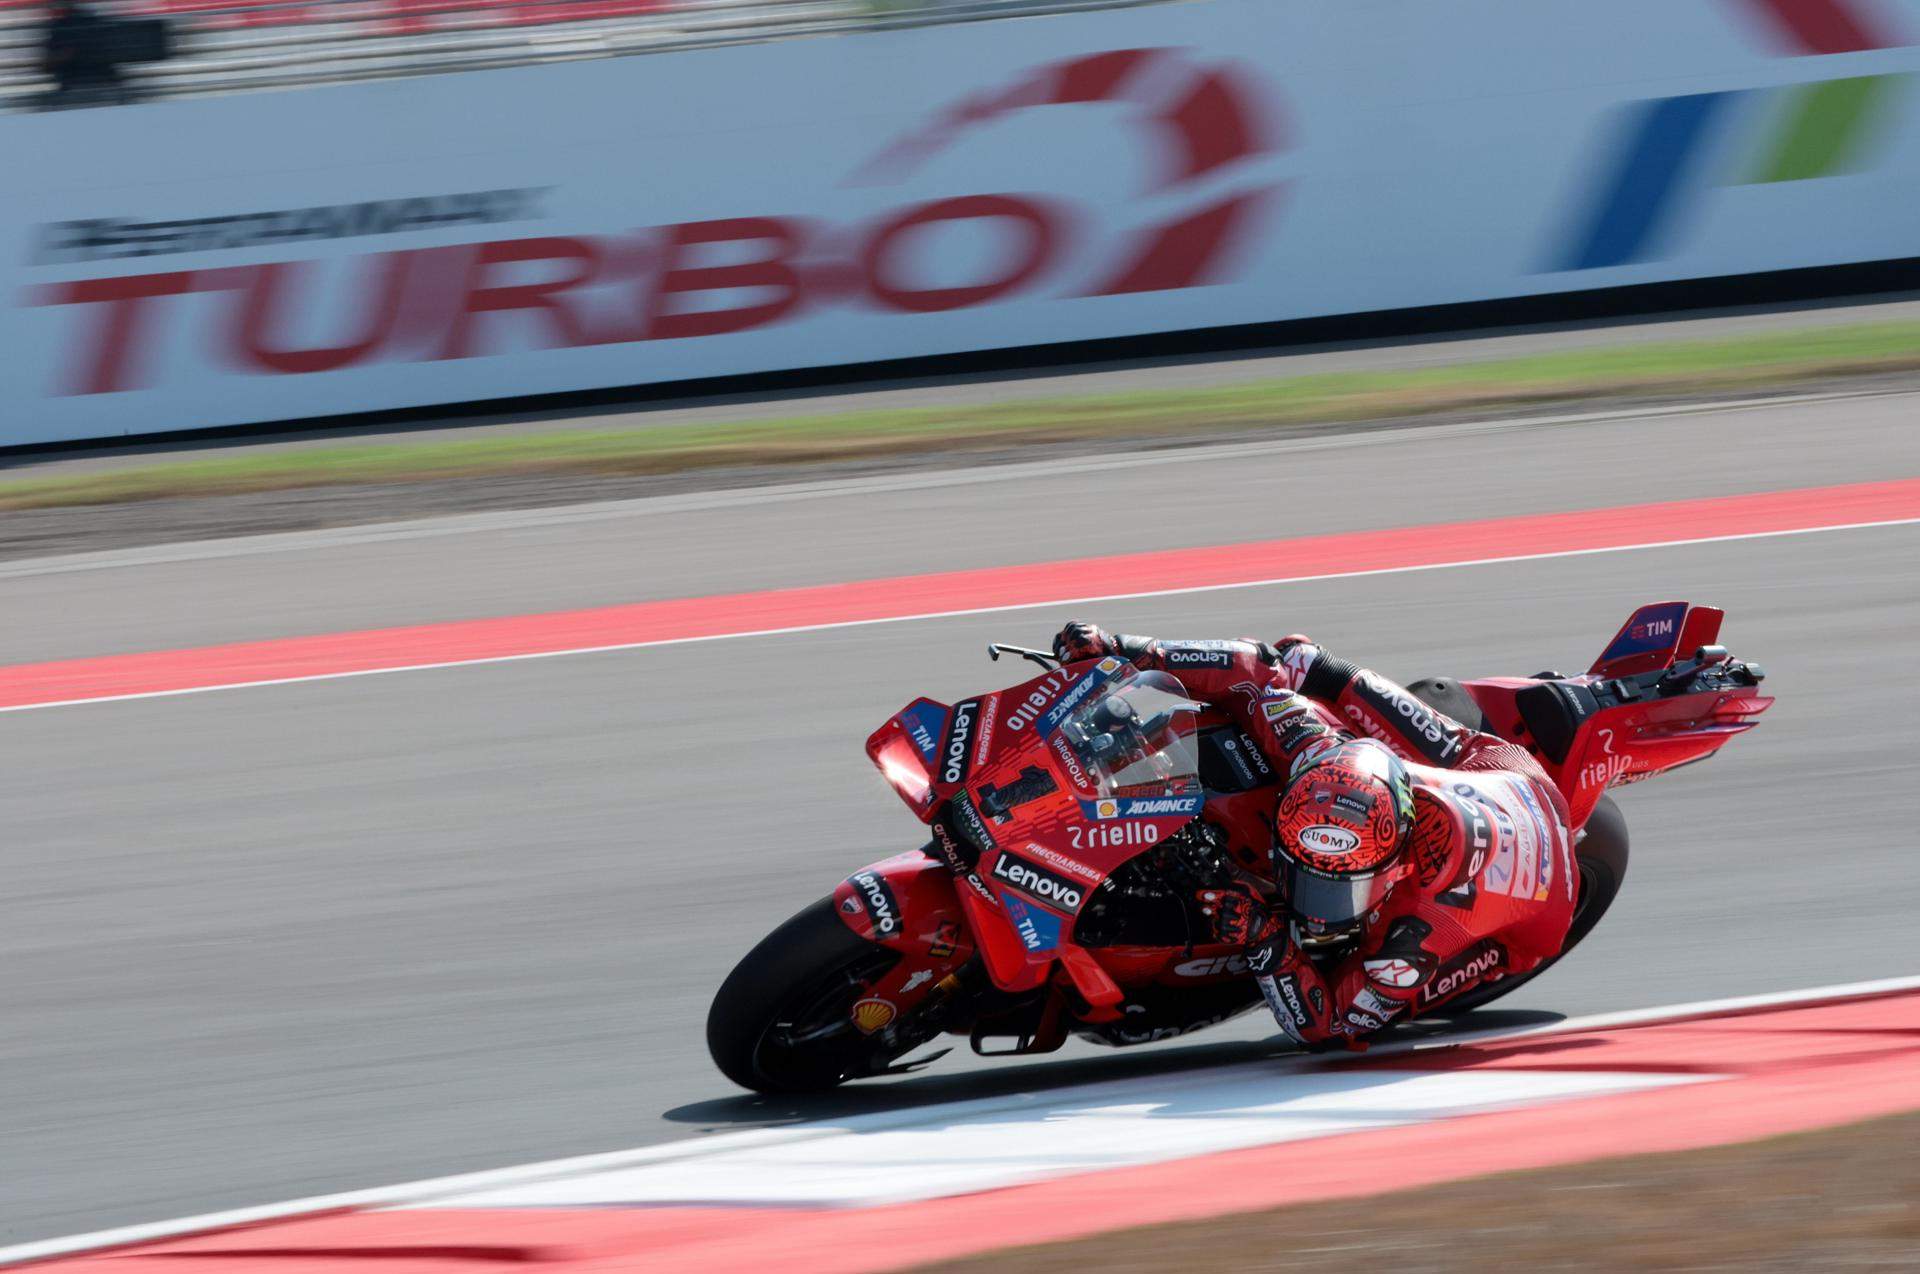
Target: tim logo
column 1646, row 632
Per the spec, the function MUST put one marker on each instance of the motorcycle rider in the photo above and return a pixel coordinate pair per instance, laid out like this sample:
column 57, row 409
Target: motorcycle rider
column 1435, row 857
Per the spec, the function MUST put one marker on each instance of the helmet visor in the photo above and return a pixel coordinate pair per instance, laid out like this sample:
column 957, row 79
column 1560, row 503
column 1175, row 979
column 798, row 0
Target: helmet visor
column 1331, row 900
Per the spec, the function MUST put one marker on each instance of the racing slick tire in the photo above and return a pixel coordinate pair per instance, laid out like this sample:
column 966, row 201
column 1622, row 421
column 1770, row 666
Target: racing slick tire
column 782, row 1021
column 1601, row 860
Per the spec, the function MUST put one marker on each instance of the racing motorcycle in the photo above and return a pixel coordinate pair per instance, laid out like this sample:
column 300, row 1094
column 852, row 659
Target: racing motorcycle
column 1073, row 817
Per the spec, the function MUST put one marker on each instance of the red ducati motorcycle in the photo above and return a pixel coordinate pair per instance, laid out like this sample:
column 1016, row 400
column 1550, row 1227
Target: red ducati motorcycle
column 1074, row 817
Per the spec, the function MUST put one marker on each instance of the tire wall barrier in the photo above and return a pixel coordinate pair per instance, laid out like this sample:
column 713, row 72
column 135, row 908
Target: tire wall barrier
column 271, row 256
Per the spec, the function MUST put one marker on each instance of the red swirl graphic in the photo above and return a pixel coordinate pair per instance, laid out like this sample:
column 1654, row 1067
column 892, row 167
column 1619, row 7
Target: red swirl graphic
column 1197, row 121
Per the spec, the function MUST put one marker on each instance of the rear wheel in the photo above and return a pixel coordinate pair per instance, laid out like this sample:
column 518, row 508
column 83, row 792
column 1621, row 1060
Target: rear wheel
column 1601, row 860
column 782, row 1022
column 1445, row 695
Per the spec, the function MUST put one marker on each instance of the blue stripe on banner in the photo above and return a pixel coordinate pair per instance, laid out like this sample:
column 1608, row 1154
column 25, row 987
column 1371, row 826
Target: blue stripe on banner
column 1641, row 192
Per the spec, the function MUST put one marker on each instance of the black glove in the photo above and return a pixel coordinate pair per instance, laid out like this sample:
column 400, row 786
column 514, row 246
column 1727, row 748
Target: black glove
column 1271, row 951
column 1238, row 916
column 1081, row 640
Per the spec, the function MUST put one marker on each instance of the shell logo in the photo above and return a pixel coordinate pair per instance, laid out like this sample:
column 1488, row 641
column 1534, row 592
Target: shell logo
column 873, row 1015
column 1106, row 809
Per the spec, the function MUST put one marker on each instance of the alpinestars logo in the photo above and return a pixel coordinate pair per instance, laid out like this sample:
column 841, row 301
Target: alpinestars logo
column 1399, row 974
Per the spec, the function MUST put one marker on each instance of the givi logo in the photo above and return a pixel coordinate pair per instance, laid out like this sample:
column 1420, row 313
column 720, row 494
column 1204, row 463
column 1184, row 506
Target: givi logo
column 1203, row 128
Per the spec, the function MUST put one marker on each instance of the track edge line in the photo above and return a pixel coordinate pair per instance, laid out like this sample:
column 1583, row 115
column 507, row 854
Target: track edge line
column 416, row 1191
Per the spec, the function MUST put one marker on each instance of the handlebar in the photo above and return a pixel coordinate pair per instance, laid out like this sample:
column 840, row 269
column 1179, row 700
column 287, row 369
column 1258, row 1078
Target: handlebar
column 996, row 649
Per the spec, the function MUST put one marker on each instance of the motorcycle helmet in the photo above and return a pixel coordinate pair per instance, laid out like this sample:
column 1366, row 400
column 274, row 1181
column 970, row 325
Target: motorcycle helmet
column 1342, row 830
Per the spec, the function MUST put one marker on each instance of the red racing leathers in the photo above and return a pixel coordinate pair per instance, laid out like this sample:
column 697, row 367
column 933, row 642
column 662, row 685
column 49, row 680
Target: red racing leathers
column 1492, row 885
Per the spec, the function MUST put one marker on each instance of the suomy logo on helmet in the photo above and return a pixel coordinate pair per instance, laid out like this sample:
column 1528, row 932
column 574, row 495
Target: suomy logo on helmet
column 1323, row 838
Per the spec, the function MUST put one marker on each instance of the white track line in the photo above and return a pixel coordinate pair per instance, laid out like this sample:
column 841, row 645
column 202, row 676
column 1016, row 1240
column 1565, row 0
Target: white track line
column 1132, row 1122
column 1052, row 603
column 418, row 1192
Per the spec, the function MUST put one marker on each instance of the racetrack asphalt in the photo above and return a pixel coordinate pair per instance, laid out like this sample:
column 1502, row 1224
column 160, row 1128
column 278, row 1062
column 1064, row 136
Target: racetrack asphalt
column 283, row 940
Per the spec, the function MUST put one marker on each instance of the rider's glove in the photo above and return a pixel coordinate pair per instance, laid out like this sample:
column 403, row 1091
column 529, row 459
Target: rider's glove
column 1237, row 914
column 1081, row 640
column 1271, row 951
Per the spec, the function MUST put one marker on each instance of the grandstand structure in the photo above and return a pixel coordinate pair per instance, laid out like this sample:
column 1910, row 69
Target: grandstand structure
column 223, row 46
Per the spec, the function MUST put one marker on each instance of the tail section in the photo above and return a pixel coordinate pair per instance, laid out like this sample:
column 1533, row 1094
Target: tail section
column 1655, row 635
column 1663, row 694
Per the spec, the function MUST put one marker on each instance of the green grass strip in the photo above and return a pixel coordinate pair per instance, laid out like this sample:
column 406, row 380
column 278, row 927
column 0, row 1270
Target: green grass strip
column 1666, row 368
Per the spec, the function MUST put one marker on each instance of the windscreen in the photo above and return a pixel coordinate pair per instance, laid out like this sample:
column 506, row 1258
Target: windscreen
column 1134, row 737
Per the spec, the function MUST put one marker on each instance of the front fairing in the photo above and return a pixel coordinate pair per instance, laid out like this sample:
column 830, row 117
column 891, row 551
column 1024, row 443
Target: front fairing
column 1051, row 786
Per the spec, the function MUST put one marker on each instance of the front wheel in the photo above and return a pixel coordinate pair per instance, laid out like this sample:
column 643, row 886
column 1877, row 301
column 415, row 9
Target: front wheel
column 1601, row 860
column 782, row 1022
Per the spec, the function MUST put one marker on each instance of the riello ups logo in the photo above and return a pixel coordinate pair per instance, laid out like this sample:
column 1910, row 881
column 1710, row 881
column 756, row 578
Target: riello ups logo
column 1208, row 133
